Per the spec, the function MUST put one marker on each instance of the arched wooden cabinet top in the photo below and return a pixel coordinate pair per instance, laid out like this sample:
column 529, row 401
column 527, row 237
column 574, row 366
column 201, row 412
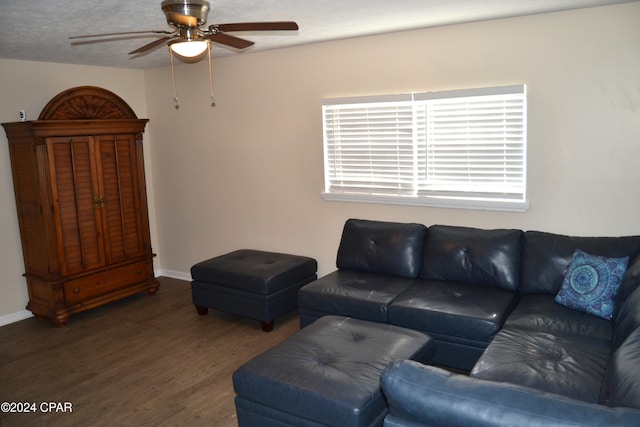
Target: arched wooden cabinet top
column 87, row 103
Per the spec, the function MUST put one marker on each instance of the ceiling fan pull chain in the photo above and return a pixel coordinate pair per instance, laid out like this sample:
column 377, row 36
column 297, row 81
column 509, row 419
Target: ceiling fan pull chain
column 213, row 102
column 173, row 81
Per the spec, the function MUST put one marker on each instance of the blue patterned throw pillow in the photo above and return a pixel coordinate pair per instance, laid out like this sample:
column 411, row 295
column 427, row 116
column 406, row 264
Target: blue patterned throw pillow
column 591, row 283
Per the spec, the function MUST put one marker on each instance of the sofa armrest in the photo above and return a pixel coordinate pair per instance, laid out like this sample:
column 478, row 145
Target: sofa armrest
column 420, row 395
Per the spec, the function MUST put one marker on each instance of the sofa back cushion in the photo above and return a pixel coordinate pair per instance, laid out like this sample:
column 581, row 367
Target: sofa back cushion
column 630, row 282
column 621, row 385
column 382, row 247
column 627, row 320
column 473, row 256
column 546, row 257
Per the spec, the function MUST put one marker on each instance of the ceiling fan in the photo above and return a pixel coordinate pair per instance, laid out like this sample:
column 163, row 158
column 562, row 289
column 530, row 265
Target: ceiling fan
column 189, row 39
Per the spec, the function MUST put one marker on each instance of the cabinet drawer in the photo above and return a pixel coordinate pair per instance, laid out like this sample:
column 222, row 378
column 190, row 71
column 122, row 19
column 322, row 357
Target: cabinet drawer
column 77, row 290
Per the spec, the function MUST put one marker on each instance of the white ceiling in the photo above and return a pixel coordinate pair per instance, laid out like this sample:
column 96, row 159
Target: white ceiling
column 38, row 30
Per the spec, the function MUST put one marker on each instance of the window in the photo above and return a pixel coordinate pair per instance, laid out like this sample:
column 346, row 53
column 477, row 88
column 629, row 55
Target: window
column 463, row 148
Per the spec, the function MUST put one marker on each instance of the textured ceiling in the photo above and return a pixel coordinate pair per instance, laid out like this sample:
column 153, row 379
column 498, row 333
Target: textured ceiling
column 38, row 30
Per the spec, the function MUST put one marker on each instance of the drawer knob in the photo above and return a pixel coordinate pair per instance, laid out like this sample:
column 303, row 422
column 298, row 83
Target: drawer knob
column 138, row 272
column 76, row 291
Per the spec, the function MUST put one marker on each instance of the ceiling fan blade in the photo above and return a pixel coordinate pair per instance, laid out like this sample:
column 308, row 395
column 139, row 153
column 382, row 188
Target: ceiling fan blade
column 109, row 39
column 180, row 19
column 121, row 34
column 258, row 26
column 228, row 40
column 150, row 46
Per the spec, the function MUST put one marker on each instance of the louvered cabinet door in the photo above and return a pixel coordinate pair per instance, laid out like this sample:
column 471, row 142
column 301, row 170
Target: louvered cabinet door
column 74, row 187
column 120, row 197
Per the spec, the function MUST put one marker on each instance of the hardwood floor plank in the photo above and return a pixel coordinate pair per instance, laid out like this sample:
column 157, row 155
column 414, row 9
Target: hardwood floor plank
column 140, row 361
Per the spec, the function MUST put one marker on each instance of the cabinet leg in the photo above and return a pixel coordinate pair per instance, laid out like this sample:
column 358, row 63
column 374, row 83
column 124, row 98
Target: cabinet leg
column 267, row 326
column 60, row 321
column 202, row 311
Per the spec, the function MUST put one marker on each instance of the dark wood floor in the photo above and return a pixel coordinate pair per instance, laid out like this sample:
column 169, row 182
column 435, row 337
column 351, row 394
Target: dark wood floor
column 142, row 361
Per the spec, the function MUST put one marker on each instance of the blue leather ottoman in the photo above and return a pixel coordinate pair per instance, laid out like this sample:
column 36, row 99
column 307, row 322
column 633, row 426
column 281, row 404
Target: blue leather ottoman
column 254, row 284
column 327, row 374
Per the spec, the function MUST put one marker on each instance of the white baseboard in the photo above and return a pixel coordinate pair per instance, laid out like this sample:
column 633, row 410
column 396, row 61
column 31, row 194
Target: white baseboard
column 15, row 317
column 173, row 274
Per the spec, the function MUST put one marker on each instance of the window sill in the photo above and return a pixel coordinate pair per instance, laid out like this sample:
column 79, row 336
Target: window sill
column 436, row 202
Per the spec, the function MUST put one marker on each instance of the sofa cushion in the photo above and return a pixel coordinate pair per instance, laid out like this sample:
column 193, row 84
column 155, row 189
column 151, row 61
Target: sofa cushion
column 352, row 293
column 591, row 283
column 621, row 386
column 488, row 258
column 539, row 312
column 453, row 309
column 546, row 257
column 627, row 320
column 569, row 365
column 630, row 283
column 381, row 247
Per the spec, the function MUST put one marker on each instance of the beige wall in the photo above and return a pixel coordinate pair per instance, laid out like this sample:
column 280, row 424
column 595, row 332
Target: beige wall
column 248, row 173
column 29, row 86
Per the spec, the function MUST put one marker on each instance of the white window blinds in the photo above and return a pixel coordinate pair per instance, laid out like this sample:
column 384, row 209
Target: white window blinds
column 369, row 147
column 475, row 144
column 463, row 148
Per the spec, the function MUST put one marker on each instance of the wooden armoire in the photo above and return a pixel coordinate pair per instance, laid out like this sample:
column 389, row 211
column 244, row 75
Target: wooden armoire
column 78, row 176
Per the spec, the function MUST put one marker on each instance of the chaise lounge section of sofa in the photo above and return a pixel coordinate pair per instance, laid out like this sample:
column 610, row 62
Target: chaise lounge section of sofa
column 488, row 298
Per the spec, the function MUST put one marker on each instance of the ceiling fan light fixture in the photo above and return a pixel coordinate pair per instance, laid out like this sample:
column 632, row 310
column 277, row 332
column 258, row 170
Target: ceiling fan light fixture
column 189, row 48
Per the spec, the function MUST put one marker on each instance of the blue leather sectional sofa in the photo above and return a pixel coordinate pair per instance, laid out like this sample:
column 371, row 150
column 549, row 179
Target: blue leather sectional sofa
column 488, row 298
